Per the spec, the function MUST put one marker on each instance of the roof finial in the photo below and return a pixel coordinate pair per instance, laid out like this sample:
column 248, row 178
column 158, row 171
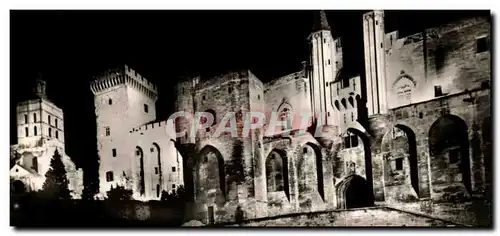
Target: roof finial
column 320, row 21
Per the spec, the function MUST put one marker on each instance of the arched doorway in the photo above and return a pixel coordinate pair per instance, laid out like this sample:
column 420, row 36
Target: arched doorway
column 449, row 154
column 354, row 192
column 210, row 183
column 139, row 154
column 156, row 156
column 277, row 172
column 367, row 156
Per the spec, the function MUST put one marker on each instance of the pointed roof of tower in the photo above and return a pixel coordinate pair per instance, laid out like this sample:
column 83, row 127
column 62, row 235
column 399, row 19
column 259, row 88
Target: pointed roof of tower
column 320, row 21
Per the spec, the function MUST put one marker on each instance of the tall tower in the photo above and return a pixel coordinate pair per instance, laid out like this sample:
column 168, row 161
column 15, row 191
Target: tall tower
column 373, row 35
column 39, row 120
column 322, row 60
column 123, row 100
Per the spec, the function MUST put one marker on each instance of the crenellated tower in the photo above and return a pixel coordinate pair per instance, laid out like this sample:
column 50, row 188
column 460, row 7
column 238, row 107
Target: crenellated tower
column 123, row 99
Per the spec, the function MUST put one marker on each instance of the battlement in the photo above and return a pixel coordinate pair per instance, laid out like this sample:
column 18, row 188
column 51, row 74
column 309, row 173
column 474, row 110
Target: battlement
column 153, row 126
column 126, row 75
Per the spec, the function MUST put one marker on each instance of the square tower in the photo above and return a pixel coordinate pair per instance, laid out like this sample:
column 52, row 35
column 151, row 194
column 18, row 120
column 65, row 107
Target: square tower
column 123, row 99
column 39, row 120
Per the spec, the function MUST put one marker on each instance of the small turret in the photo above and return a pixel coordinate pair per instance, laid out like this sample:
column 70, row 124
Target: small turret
column 40, row 86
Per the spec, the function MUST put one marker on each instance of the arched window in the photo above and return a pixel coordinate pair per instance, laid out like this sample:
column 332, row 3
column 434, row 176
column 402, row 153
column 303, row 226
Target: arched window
column 110, row 102
column 26, row 119
column 204, row 119
column 57, row 134
column 155, row 154
column 276, row 172
column 285, row 114
column 56, row 122
column 26, row 133
column 50, row 132
column 49, row 119
column 140, row 164
column 34, row 117
column 351, row 101
column 34, row 131
column 344, row 103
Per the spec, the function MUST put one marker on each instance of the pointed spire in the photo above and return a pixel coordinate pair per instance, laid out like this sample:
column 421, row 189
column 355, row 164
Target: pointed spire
column 320, row 21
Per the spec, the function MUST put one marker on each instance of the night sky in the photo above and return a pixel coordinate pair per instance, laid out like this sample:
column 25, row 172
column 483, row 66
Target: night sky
column 68, row 47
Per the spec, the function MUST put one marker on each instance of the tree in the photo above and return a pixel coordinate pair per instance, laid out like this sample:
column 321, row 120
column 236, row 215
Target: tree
column 176, row 196
column 119, row 193
column 56, row 183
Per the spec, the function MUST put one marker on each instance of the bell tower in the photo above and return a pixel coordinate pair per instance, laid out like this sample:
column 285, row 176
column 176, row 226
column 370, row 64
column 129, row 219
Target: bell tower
column 323, row 69
column 373, row 36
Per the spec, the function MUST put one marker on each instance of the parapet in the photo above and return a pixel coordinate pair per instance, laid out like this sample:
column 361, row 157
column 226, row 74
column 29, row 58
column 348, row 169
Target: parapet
column 123, row 75
column 166, row 125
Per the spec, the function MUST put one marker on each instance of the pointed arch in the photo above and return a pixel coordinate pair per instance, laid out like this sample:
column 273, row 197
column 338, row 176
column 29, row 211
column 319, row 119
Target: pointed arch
column 351, row 101
column 156, row 154
column 210, row 183
column 399, row 148
column 277, row 172
column 368, row 156
column 139, row 155
column 449, row 146
column 354, row 192
column 344, row 103
column 285, row 112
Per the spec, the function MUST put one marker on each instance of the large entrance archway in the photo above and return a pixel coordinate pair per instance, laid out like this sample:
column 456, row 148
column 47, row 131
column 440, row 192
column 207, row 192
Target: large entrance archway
column 210, row 183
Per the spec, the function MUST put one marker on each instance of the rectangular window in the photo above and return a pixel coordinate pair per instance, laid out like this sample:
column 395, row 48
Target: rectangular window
column 57, row 135
column 50, row 132
column 109, row 176
column 26, row 119
column 49, row 119
column 399, row 164
column 26, row 133
column 438, row 91
column 108, row 131
column 173, row 186
column 56, row 122
column 34, row 131
column 114, row 152
column 146, row 108
column 173, row 168
column 34, row 117
column 156, row 170
column 481, row 45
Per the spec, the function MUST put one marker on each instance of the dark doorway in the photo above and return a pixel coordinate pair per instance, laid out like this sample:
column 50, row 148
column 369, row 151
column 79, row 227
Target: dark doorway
column 357, row 193
column 211, row 217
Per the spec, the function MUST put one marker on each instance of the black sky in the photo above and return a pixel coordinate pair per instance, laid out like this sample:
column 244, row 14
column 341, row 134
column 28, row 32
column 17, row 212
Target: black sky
column 68, row 47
